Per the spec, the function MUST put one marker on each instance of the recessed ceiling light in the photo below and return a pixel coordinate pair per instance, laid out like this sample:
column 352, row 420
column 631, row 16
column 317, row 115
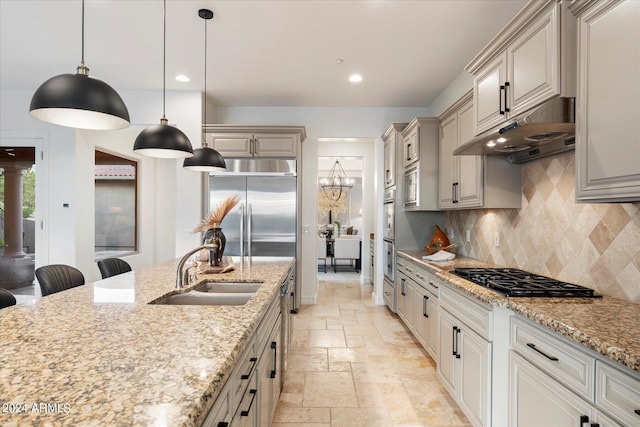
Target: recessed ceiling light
column 502, row 139
column 182, row 78
column 339, row 61
column 355, row 78
column 491, row 144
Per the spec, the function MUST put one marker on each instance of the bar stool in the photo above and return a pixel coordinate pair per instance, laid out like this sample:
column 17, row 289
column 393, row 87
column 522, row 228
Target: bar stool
column 58, row 277
column 112, row 267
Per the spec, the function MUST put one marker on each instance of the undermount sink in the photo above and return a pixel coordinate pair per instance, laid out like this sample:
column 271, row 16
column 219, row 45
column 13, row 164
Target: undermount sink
column 214, row 293
column 228, row 287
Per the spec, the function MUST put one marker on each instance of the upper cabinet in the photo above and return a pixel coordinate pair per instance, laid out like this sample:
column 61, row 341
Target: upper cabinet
column 391, row 139
column 530, row 61
column 608, row 102
column 420, row 175
column 472, row 181
column 255, row 141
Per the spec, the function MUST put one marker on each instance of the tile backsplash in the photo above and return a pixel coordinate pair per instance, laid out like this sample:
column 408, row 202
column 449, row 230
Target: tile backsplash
column 594, row 245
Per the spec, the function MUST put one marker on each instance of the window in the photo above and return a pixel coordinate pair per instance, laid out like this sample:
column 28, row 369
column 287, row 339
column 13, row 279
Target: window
column 116, row 224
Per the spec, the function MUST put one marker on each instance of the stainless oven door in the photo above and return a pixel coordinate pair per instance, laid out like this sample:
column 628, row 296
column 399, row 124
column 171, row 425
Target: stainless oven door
column 389, row 259
column 389, row 221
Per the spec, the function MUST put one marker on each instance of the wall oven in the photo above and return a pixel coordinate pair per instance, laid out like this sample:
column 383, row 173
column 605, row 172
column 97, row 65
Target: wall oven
column 389, row 250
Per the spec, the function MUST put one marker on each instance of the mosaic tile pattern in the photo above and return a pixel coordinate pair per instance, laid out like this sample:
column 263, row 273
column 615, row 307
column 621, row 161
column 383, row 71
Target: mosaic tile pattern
column 594, row 245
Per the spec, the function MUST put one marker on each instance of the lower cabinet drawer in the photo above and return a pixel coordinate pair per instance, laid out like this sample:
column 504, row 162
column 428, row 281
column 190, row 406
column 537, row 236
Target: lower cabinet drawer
column 244, row 372
column 474, row 315
column 618, row 393
column 559, row 359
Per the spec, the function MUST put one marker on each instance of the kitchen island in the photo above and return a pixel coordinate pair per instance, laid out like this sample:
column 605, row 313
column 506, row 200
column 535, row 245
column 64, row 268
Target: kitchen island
column 100, row 354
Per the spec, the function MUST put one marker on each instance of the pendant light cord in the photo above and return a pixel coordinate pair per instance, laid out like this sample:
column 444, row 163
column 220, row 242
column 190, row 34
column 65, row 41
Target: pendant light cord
column 204, row 139
column 82, row 38
column 164, row 58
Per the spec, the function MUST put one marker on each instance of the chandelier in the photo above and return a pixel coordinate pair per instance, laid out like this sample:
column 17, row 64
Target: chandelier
column 336, row 183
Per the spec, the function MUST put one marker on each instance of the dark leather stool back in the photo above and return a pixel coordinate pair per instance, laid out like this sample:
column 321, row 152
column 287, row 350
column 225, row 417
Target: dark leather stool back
column 58, row 277
column 6, row 298
column 112, row 266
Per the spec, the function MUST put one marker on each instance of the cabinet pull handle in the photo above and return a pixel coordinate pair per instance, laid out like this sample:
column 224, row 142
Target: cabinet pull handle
column 500, row 99
column 533, row 346
column 453, row 192
column 453, row 340
column 457, row 344
column 595, row 425
column 433, row 284
column 583, row 419
column 274, row 347
column 506, row 86
column 408, row 151
column 246, row 413
column 424, row 306
column 246, row 376
column 223, row 424
column 402, row 287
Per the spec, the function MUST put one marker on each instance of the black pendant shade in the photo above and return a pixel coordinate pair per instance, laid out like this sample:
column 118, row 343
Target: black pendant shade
column 163, row 141
column 205, row 159
column 79, row 101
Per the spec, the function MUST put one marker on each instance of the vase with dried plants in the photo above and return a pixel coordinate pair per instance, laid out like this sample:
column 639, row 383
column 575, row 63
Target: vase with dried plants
column 213, row 233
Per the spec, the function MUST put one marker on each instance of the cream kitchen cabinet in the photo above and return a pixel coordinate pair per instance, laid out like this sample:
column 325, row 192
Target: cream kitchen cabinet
column 608, row 102
column 529, row 61
column 472, row 181
column 417, row 299
column 420, row 160
column 392, row 140
column 465, row 361
column 255, row 141
column 576, row 387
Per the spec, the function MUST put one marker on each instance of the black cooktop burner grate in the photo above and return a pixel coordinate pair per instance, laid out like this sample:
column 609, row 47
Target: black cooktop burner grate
column 519, row 283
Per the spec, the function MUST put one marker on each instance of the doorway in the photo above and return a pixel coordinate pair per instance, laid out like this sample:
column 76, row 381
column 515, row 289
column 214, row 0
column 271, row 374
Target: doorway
column 22, row 246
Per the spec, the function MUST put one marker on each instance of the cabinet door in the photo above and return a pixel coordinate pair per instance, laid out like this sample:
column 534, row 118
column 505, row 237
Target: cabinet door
column 535, row 399
column 421, row 315
column 475, row 369
column 264, row 387
column 448, row 170
column 401, row 296
column 231, row 145
column 275, row 346
column 533, row 63
column 411, row 144
column 448, row 361
column 274, row 145
column 390, row 162
column 433, row 336
column 406, row 301
column 469, row 191
column 489, row 98
column 410, row 188
column 608, row 104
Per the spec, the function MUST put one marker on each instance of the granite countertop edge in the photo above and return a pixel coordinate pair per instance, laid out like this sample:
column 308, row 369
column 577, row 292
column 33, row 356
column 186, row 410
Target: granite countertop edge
column 572, row 324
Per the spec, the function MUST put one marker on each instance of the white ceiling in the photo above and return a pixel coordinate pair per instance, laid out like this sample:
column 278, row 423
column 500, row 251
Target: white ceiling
column 261, row 52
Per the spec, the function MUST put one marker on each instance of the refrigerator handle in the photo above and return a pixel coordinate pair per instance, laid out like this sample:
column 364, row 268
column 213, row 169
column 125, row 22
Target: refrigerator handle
column 241, row 230
column 249, row 237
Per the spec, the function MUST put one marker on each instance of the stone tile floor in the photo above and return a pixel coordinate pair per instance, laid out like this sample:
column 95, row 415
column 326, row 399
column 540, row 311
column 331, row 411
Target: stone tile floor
column 353, row 363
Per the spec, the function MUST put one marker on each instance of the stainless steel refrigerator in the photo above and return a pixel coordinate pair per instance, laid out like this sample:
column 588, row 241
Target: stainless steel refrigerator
column 264, row 223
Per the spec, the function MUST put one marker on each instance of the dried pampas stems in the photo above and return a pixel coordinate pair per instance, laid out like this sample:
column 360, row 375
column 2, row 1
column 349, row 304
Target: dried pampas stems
column 217, row 215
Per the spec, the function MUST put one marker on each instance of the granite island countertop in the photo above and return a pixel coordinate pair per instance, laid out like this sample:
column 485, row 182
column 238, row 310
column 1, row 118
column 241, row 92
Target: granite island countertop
column 607, row 325
column 101, row 355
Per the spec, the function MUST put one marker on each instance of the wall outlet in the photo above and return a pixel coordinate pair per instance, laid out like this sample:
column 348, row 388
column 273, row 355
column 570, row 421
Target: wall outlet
column 467, row 235
column 497, row 239
column 305, row 229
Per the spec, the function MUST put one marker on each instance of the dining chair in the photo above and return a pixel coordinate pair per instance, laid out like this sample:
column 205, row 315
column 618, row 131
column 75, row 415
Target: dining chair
column 113, row 266
column 346, row 248
column 58, row 277
column 6, row 298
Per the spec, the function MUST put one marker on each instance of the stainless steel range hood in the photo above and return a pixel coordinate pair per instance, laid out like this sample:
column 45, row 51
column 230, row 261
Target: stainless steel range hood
column 545, row 130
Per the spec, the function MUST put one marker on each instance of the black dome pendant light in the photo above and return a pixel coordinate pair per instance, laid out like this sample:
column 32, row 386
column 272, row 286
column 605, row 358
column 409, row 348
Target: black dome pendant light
column 205, row 159
column 163, row 141
column 79, row 101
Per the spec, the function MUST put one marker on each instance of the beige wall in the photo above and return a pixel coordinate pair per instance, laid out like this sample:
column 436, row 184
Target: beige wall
column 595, row 245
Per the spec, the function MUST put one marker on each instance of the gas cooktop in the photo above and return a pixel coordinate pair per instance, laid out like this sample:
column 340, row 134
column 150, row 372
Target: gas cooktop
column 519, row 283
